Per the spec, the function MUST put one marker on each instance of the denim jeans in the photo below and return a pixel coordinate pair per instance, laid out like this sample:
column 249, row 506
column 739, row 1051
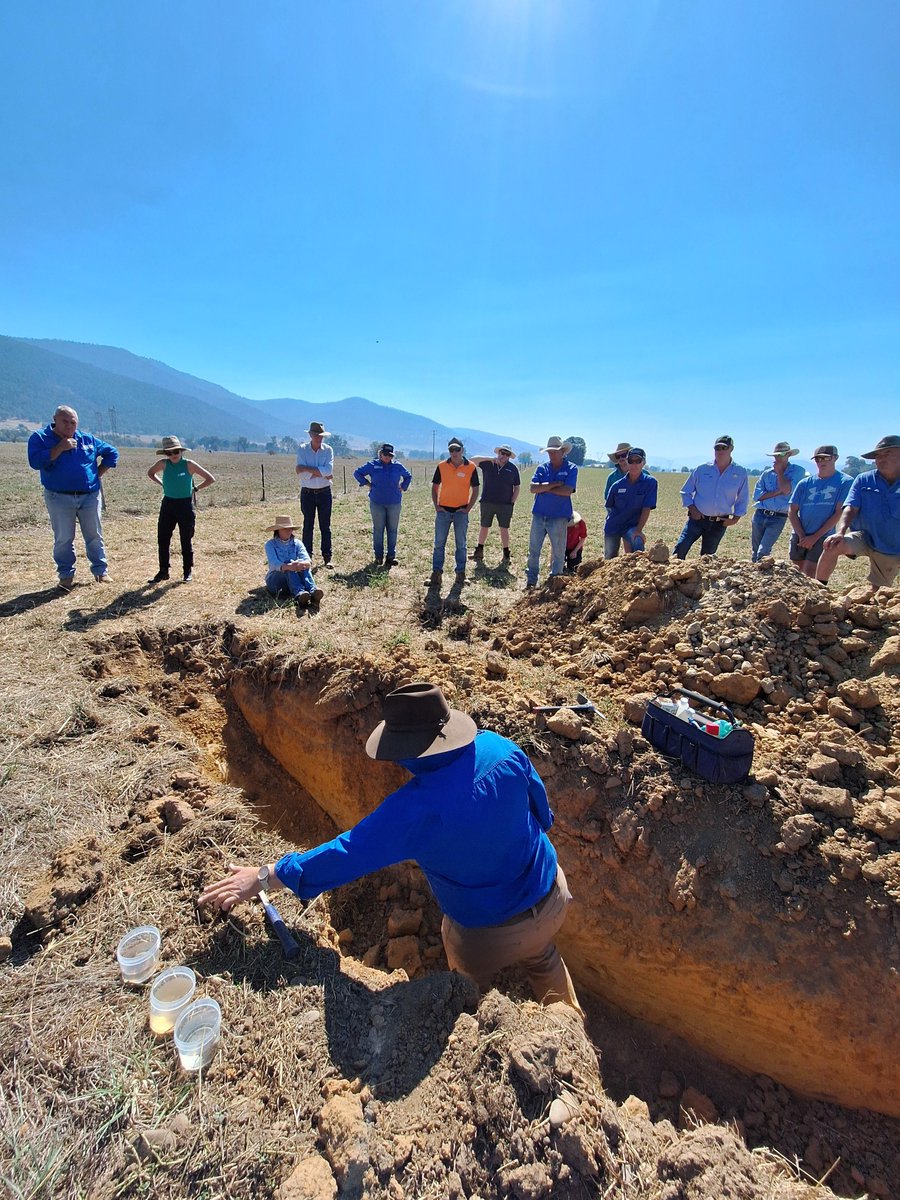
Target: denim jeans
column 290, row 583
column 708, row 532
column 764, row 533
column 553, row 528
column 633, row 540
column 316, row 502
column 385, row 518
column 64, row 512
column 443, row 521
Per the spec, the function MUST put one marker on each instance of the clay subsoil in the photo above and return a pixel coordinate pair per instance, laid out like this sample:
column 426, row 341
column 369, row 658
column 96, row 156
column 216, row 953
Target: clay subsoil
column 736, row 946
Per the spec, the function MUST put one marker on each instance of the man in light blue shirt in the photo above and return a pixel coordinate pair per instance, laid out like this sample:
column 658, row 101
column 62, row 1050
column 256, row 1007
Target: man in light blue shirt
column 815, row 506
column 315, row 466
column 716, row 496
column 772, row 496
column 872, row 504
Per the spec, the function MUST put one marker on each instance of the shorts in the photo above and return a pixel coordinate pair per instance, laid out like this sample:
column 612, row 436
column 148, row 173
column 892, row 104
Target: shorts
column 883, row 568
column 489, row 510
column 797, row 553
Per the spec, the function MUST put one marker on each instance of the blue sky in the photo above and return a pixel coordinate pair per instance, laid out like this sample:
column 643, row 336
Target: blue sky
column 624, row 220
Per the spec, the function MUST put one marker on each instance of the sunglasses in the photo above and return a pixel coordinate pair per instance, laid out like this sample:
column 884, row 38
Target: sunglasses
column 822, row 457
column 618, row 456
column 171, row 453
column 504, row 454
column 634, row 460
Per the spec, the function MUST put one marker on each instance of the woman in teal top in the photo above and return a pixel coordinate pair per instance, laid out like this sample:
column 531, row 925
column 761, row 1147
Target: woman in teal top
column 177, row 506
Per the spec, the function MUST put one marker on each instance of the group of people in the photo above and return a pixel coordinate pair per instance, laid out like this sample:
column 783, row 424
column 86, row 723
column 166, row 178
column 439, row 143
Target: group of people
column 830, row 513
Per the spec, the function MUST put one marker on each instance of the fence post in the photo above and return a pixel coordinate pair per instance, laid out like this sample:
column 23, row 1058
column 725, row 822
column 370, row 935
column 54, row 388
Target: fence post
column 262, row 471
column 344, row 469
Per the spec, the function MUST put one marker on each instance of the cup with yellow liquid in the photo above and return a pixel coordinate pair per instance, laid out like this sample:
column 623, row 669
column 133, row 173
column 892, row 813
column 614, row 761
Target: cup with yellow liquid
column 172, row 991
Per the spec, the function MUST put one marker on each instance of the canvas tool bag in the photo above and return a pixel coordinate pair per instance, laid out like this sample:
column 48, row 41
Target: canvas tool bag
column 719, row 760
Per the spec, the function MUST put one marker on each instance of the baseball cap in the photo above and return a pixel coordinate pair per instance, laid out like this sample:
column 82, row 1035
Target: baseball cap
column 724, row 442
column 454, row 444
column 891, row 442
column 831, row 451
column 637, row 452
column 386, row 448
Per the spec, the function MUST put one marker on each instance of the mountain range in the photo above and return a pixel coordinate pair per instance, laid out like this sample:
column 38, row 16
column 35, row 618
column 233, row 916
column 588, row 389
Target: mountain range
column 115, row 391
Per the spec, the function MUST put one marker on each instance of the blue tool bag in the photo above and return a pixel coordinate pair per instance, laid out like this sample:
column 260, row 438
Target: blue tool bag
column 719, row 759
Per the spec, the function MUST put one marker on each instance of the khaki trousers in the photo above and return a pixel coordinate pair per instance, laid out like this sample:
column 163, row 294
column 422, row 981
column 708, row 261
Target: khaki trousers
column 481, row 953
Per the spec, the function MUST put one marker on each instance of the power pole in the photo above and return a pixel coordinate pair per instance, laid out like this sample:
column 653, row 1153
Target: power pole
column 432, row 443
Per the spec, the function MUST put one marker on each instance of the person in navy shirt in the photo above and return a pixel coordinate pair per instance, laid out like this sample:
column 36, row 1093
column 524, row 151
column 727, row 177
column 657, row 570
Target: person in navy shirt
column 475, row 817
column 386, row 480
column 873, row 505
column 72, row 463
column 500, row 491
column 629, row 503
column 815, row 506
column 716, row 495
column 552, row 485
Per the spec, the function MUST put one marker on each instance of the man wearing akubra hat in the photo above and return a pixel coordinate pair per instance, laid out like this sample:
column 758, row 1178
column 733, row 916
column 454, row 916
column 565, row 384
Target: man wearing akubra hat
column 386, row 480
column 815, row 506
column 474, row 817
column 315, row 466
column 873, row 507
column 499, row 494
column 772, row 497
column 618, row 458
column 176, row 474
column 289, row 566
column 552, row 485
column 716, row 495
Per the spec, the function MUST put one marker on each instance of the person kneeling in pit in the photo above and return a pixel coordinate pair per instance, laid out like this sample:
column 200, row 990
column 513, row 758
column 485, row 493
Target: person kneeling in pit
column 475, row 818
column 289, row 571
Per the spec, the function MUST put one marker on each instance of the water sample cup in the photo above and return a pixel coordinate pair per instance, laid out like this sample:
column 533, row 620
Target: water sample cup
column 172, row 992
column 197, row 1034
column 138, row 953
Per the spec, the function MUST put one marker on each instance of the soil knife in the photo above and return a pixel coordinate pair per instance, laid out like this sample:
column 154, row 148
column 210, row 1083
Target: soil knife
column 289, row 943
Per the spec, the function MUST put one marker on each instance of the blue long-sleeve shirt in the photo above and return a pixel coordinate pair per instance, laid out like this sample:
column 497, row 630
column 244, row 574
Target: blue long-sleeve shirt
column 475, row 821
column 715, row 493
column 389, row 480
column 74, row 470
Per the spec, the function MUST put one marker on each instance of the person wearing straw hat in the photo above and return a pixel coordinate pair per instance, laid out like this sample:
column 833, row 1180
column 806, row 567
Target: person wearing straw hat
column 290, row 571
column 618, row 458
column 315, row 466
column 873, row 506
column 815, row 506
column 176, row 475
column 552, row 485
column 72, row 463
column 475, row 818
column 500, row 491
column 772, row 497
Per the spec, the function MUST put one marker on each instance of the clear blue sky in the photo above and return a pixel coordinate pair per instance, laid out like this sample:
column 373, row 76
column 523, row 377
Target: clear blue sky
column 616, row 218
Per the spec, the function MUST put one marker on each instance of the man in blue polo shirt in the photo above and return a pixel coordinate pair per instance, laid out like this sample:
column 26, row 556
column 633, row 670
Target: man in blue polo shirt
column 386, row 480
column 552, row 486
column 71, row 464
column 716, row 496
column 873, row 505
column 772, row 496
column 629, row 503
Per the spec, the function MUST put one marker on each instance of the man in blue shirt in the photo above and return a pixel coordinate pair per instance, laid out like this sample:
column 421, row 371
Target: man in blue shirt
column 619, row 459
column 71, row 464
column 552, row 485
column 474, row 817
column 815, row 506
column 386, row 480
column 315, row 466
column 629, row 503
column 716, row 496
column 772, row 496
column 873, row 505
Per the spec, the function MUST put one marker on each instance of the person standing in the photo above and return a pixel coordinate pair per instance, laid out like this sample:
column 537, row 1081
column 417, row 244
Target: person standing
column 475, row 818
column 177, row 508
column 872, row 504
column 772, row 496
column 716, row 495
column 814, row 508
column 499, row 493
column 72, row 463
column 454, row 490
column 386, row 480
column 618, row 458
column 629, row 504
column 315, row 466
column 289, row 566
column 552, row 485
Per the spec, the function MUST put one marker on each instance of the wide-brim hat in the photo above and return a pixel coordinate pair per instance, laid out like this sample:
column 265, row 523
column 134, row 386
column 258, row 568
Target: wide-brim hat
column 782, row 449
column 170, row 443
column 556, row 443
column 281, row 522
column 622, row 448
column 891, row 442
column 418, row 722
column 317, row 429
column 505, row 450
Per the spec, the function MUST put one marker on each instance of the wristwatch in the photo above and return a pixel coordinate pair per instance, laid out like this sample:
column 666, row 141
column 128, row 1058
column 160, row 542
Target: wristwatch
column 263, row 876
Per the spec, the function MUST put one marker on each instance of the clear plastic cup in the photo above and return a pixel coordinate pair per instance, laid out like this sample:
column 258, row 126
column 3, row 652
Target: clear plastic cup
column 197, row 1033
column 172, row 992
column 138, row 953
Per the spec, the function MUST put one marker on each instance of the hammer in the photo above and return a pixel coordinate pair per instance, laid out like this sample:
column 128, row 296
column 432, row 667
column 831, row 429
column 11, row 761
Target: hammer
column 289, row 943
column 584, row 705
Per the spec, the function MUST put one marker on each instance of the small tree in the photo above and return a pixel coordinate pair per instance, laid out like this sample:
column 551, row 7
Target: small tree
column 339, row 445
column 243, row 445
column 578, row 451
column 525, row 459
column 855, row 466
column 289, row 445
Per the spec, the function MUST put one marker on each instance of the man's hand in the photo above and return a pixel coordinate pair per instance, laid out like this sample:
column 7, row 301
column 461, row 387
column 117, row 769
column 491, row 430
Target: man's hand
column 731, row 521
column 62, row 446
column 833, row 541
column 694, row 513
column 239, row 885
column 807, row 542
column 101, row 471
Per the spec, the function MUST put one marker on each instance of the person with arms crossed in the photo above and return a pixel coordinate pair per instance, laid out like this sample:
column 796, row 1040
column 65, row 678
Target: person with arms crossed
column 716, row 495
column 815, row 506
column 873, row 505
column 386, row 480
column 315, row 466
column 772, row 496
column 553, row 484
column 177, row 508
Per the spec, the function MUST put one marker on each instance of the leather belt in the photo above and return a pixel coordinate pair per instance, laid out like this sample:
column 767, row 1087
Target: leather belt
column 531, row 912
column 771, row 512
column 61, row 493
column 704, row 517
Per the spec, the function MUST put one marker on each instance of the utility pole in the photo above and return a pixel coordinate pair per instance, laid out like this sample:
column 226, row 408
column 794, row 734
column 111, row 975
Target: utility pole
column 432, row 443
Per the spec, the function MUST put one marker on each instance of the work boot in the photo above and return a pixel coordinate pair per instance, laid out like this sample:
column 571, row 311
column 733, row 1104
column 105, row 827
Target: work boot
column 436, row 577
column 478, row 554
column 379, row 562
column 104, row 578
column 302, row 599
column 160, row 577
column 506, row 555
column 315, row 597
column 460, row 576
column 67, row 582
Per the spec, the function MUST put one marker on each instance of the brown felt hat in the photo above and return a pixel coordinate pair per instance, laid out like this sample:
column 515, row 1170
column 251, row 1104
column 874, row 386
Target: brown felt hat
column 317, row 429
column 419, row 722
column 281, row 522
column 891, row 442
column 170, row 443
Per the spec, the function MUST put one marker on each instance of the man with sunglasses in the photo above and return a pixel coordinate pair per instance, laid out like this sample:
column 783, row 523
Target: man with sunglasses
column 72, row 463
column 499, row 494
column 873, row 505
column 629, row 504
column 772, row 496
column 815, row 506
column 716, row 495
column 618, row 458
column 386, row 480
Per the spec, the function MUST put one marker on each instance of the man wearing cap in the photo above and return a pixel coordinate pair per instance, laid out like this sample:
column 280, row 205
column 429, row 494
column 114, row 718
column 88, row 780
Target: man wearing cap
column 498, row 497
column 175, row 474
column 772, row 496
column 72, row 463
column 618, row 458
column 315, row 466
column 815, row 506
column 386, row 480
column 629, row 504
column 716, row 495
column 289, row 571
column 475, row 818
column 873, row 506
column 553, row 484
column 454, row 490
